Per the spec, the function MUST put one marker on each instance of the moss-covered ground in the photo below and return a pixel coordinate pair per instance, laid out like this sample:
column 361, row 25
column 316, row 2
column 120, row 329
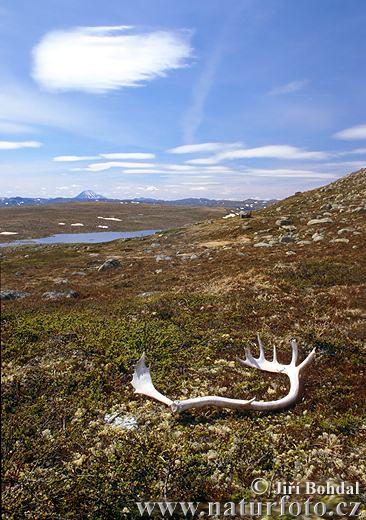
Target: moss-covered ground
column 66, row 364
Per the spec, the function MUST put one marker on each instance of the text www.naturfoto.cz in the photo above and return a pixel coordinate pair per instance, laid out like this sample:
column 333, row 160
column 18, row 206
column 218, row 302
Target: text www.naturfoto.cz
column 253, row 508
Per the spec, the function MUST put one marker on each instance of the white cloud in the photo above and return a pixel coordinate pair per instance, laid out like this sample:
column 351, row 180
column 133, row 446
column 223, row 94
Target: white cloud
column 99, row 167
column 11, row 127
column 204, row 147
column 23, row 105
column 353, row 133
column 98, row 59
column 73, row 158
column 201, row 90
column 358, row 151
column 144, row 167
column 288, row 88
column 282, row 172
column 181, row 169
column 177, row 167
column 345, row 164
column 195, row 113
column 143, row 170
column 127, row 155
column 16, row 145
column 191, row 168
column 281, row 151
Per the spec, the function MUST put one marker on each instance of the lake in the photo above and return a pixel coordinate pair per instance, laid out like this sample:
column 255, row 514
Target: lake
column 81, row 238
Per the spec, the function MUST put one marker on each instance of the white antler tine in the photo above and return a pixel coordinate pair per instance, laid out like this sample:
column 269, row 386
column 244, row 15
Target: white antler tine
column 307, row 360
column 261, row 348
column 249, row 356
column 295, row 352
column 274, row 354
column 249, row 360
column 142, row 383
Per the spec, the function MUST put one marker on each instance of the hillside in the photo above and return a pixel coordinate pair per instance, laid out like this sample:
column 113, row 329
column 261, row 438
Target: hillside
column 191, row 298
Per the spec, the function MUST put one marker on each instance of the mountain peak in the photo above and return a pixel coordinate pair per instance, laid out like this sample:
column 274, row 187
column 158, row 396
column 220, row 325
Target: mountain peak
column 89, row 195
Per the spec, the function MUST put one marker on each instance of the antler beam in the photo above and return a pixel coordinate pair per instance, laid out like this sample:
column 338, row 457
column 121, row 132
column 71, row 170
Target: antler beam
column 143, row 384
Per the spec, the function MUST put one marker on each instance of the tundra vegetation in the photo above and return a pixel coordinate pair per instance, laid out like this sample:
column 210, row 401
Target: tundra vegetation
column 78, row 443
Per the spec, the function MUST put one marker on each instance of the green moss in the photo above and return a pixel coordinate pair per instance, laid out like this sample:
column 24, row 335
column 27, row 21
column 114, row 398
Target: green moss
column 68, row 364
column 322, row 273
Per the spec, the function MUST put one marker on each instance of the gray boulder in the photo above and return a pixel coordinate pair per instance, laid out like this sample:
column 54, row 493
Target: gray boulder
column 345, row 230
column 161, row 258
column 261, row 244
column 123, row 422
column 284, row 221
column 317, row 237
column 289, row 228
column 187, row 256
column 315, row 221
column 339, row 240
column 245, row 214
column 112, row 263
column 147, row 294
column 13, row 295
column 287, row 239
column 57, row 295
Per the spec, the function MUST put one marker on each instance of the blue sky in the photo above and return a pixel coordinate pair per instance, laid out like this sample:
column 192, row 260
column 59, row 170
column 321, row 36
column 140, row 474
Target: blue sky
column 172, row 99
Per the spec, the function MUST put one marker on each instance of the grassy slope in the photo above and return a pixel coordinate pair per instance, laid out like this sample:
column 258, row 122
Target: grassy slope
column 68, row 363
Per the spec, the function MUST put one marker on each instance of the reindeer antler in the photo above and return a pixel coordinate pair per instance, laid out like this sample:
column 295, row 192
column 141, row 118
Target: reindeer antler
column 143, row 384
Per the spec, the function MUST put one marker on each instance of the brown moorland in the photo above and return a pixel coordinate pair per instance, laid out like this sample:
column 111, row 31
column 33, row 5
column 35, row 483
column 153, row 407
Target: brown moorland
column 191, row 298
column 40, row 221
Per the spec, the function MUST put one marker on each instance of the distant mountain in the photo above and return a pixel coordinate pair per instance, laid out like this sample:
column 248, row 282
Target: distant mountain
column 210, row 203
column 91, row 196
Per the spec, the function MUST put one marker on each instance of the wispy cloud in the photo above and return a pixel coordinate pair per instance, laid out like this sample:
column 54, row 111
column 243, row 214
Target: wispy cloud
column 356, row 151
column 195, row 113
column 74, row 158
column 98, row 59
column 148, row 171
column 204, row 147
column 153, row 168
column 16, row 145
column 352, row 134
column 119, row 155
column 127, row 155
column 342, row 165
column 11, row 127
column 23, row 106
column 100, row 167
column 289, row 88
column 281, row 151
column 293, row 173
